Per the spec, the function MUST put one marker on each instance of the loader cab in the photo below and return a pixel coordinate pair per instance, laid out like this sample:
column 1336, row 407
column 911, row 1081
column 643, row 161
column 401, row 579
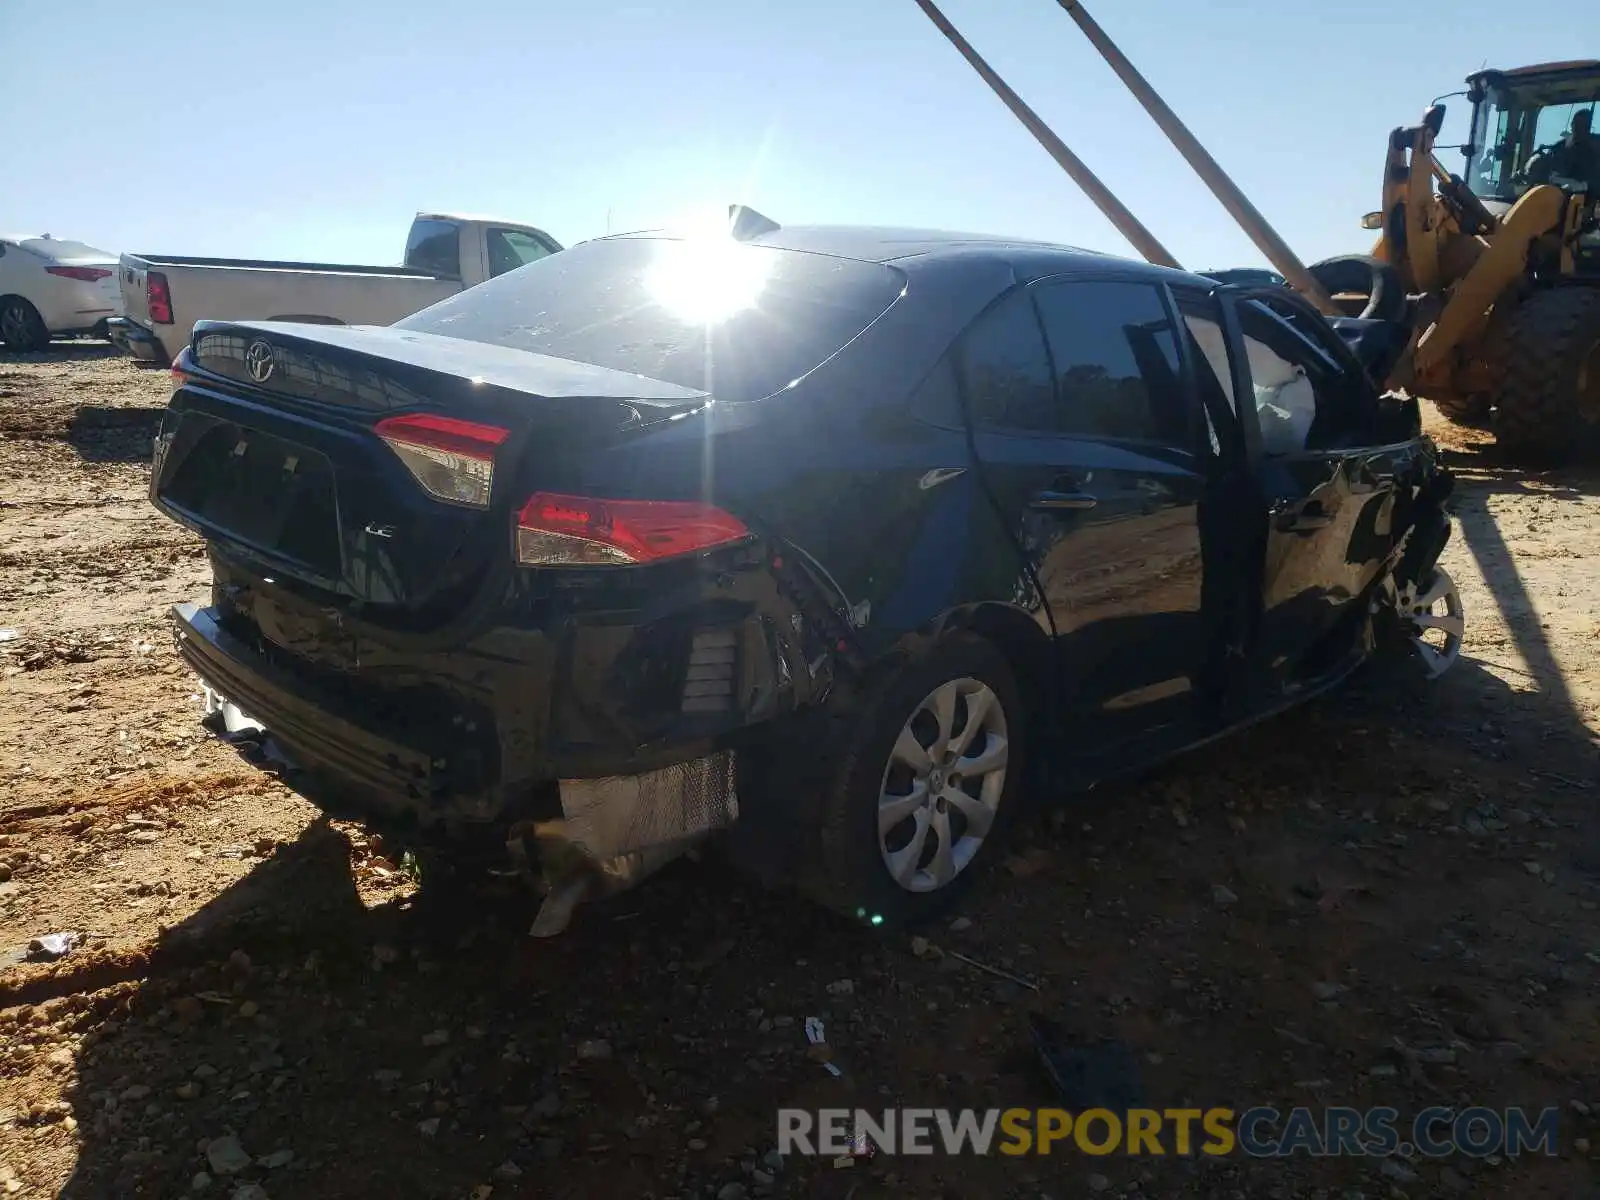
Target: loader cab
column 1533, row 126
column 1521, row 130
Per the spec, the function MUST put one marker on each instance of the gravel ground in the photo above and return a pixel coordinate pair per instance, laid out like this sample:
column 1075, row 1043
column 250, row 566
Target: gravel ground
column 1388, row 897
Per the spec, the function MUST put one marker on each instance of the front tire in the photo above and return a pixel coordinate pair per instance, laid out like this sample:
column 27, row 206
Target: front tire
column 1472, row 411
column 928, row 785
column 21, row 327
column 1549, row 405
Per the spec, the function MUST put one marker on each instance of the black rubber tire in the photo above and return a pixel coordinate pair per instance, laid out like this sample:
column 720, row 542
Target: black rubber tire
column 850, row 876
column 1464, row 410
column 21, row 326
column 1539, row 414
column 1380, row 282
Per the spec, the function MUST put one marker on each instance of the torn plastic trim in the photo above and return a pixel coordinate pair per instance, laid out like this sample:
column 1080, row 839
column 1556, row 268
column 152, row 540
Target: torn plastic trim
column 233, row 718
column 618, row 830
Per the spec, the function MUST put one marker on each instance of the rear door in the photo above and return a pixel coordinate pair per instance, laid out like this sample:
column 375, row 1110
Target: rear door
column 1081, row 420
column 1327, row 491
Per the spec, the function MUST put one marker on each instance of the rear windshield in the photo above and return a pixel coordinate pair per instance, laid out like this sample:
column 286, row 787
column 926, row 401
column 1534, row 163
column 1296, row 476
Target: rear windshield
column 738, row 321
column 435, row 246
column 63, row 251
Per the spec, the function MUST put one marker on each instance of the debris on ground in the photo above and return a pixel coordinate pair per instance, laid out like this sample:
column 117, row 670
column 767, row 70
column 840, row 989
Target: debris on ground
column 1103, row 1075
column 49, row 947
column 226, row 1155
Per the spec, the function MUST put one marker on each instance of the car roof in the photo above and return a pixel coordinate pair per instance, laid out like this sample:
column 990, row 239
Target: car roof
column 911, row 248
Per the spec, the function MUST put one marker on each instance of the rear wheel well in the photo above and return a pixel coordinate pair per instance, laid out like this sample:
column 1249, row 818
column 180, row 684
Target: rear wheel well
column 1027, row 649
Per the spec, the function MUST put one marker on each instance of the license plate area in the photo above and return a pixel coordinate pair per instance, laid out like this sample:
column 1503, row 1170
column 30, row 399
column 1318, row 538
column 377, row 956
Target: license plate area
column 260, row 490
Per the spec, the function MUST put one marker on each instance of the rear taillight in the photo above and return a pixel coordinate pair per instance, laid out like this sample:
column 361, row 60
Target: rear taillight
column 81, row 274
column 158, row 298
column 580, row 531
column 453, row 460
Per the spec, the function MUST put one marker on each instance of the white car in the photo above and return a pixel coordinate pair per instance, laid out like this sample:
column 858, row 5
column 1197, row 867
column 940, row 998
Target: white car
column 50, row 286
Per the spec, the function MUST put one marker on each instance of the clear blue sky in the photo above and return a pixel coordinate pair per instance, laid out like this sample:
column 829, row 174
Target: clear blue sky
column 316, row 128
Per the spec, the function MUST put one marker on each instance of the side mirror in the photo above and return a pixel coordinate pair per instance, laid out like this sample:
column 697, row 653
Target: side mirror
column 1372, row 220
column 1434, row 119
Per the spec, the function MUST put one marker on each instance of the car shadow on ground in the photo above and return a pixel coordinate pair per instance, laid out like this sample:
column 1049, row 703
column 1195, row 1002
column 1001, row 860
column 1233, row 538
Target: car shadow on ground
column 427, row 1047
column 290, row 1014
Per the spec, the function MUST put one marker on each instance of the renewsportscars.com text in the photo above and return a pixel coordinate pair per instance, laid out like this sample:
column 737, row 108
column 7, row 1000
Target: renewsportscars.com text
column 1260, row 1132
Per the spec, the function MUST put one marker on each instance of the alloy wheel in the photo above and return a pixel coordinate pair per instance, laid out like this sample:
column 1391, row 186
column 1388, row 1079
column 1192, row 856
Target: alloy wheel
column 943, row 784
column 1433, row 617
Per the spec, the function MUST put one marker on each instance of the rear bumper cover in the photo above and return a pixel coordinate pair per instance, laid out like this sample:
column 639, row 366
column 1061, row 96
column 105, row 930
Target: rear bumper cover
column 132, row 338
column 316, row 734
column 351, row 763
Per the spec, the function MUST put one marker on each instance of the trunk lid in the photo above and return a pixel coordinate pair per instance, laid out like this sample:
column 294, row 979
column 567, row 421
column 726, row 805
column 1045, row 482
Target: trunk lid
column 270, row 449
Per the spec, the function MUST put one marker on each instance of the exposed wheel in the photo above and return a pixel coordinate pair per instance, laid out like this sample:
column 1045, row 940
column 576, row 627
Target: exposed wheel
column 1363, row 275
column 928, row 785
column 1425, row 620
column 21, row 327
column 1464, row 410
column 1549, row 405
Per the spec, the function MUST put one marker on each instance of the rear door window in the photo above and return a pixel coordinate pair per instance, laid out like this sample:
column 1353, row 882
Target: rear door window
column 1207, row 343
column 1004, row 370
column 1115, row 356
column 513, row 248
column 738, row 321
column 435, row 247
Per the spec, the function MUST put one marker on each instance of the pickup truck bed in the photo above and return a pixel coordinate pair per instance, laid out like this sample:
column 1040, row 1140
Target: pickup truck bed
column 165, row 294
column 272, row 264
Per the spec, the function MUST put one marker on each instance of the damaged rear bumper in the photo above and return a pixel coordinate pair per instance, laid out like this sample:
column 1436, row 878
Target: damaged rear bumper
column 601, row 833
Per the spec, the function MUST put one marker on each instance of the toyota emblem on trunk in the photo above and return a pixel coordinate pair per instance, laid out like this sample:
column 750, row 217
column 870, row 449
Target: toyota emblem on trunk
column 258, row 360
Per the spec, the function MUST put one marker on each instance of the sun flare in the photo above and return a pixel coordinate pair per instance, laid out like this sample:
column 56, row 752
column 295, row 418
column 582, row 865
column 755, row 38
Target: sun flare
column 707, row 278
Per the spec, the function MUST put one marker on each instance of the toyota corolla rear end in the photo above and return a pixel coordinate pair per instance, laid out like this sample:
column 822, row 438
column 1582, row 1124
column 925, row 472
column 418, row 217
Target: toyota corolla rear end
column 476, row 571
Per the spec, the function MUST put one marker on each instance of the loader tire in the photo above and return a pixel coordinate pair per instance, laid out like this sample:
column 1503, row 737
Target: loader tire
column 1549, row 405
column 1367, row 276
column 1464, row 410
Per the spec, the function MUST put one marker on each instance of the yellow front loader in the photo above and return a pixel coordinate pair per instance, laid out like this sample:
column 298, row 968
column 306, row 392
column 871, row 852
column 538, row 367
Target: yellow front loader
column 1501, row 265
column 1494, row 274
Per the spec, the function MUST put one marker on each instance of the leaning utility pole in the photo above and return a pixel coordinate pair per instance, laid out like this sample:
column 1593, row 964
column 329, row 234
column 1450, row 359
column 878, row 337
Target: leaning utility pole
column 1115, row 211
column 1213, row 176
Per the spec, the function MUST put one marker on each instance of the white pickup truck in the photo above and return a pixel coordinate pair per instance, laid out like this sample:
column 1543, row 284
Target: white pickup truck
column 164, row 295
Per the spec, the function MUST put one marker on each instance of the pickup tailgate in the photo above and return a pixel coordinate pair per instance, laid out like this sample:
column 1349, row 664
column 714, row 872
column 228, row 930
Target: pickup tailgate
column 317, row 453
column 132, row 272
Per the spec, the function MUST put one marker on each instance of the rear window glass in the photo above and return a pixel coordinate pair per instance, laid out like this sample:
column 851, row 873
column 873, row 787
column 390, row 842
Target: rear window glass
column 63, row 251
column 435, row 246
column 738, row 321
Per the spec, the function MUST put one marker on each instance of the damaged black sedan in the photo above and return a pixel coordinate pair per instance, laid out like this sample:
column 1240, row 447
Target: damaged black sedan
column 822, row 541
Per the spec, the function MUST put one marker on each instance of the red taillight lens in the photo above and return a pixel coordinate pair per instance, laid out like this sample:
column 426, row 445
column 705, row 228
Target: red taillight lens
column 580, row 531
column 158, row 298
column 81, row 274
column 453, row 460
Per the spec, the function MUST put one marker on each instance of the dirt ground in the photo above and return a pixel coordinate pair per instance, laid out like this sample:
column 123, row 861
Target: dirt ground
column 1388, row 897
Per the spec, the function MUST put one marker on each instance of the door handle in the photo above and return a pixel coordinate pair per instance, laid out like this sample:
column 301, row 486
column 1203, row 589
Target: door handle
column 1058, row 501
